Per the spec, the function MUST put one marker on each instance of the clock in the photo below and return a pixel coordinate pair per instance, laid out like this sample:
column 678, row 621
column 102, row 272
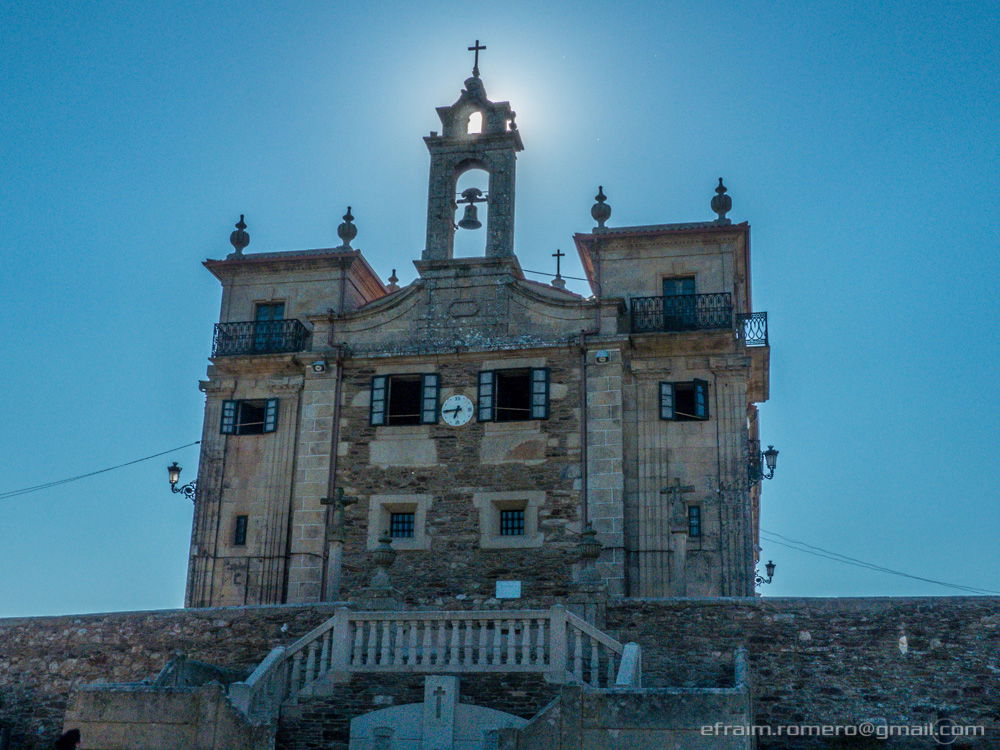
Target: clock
column 456, row 410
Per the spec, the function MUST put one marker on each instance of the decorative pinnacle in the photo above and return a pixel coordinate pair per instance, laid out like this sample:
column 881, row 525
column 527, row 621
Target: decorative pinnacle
column 393, row 281
column 601, row 211
column 240, row 238
column 347, row 231
column 722, row 203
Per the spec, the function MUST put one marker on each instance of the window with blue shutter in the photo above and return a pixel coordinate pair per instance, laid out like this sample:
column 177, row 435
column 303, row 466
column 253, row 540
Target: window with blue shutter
column 684, row 402
column 249, row 417
column 377, row 413
column 540, row 393
column 484, row 397
column 666, row 401
column 271, row 415
column 429, row 399
column 228, row 426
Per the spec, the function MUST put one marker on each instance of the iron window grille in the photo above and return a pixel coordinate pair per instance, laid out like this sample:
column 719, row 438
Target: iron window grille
column 401, row 525
column 694, row 520
column 512, row 522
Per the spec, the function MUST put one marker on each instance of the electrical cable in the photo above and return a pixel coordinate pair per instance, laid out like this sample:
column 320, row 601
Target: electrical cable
column 837, row 557
column 47, row 485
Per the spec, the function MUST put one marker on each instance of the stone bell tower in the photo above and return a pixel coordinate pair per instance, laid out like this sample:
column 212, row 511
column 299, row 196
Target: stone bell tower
column 455, row 151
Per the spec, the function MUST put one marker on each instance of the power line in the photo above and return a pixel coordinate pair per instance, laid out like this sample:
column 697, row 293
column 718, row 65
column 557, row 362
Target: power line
column 846, row 560
column 47, row 485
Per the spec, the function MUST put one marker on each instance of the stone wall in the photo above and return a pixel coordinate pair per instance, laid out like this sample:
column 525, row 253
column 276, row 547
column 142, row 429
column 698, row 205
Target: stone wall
column 813, row 661
column 830, row 661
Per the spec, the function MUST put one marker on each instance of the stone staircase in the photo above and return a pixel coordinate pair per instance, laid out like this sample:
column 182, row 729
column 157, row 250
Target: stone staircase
column 343, row 668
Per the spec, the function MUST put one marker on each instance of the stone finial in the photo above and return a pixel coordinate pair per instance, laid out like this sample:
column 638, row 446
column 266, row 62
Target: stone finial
column 722, row 203
column 393, row 281
column 383, row 557
column 240, row 238
column 347, row 231
column 589, row 550
column 601, row 211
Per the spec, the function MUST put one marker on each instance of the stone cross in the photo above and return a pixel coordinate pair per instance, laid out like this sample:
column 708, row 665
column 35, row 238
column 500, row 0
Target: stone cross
column 439, row 693
column 475, row 65
column 339, row 502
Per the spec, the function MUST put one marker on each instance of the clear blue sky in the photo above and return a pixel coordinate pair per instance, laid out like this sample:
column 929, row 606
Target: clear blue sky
column 858, row 138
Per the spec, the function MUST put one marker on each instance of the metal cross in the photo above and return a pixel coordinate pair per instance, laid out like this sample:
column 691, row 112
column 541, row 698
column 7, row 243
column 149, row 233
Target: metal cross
column 439, row 691
column 558, row 255
column 475, row 65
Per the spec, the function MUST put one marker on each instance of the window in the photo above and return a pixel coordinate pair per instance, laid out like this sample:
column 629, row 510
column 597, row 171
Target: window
column 694, row 520
column 513, row 395
column 252, row 417
column 678, row 286
column 240, row 534
column 509, row 520
column 512, row 522
column 401, row 525
column 683, row 402
column 404, row 399
column 267, row 330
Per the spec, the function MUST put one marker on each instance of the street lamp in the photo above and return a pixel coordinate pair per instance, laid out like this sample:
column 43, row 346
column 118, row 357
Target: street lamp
column 759, row 461
column 174, row 476
column 758, row 579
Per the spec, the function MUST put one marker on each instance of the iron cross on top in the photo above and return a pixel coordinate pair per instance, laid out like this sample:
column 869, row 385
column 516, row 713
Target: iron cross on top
column 475, row 65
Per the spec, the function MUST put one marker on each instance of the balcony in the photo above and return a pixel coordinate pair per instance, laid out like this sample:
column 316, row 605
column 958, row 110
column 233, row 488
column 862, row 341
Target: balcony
column 259, row 337
column 751, row 328
column 684, row 312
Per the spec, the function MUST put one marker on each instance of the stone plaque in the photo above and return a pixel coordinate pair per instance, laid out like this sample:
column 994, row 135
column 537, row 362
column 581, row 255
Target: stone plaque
column 508, row 590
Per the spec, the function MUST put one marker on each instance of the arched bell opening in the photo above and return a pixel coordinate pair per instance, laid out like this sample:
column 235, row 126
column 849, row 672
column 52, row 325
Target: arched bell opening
column 472, row 213
column 475, row 122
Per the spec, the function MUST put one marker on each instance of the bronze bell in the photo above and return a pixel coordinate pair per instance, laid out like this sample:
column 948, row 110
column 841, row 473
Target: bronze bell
column 470, row 219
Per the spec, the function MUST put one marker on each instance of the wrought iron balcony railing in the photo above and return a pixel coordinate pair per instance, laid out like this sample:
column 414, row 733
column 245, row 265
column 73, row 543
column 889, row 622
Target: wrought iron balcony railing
column 683, row 312
column 751, row 328
column 259, row 337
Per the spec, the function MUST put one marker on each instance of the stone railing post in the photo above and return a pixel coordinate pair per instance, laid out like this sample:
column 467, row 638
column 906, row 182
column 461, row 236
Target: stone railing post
column 557, row 645
column 340, row 645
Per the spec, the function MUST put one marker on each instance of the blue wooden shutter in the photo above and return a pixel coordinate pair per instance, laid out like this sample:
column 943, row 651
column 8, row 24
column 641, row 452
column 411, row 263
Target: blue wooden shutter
column 429, row 399
column 700, row 399
column 667, row 401
column 271, row 415
column 228, row 425
column 540, row 393
column 485, row 396
column 377, row 414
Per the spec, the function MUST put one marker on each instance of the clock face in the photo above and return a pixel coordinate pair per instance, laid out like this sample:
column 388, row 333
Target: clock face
column 456, row 410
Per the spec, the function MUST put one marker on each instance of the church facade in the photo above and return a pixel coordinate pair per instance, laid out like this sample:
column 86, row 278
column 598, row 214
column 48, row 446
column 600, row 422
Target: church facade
column 477, row 421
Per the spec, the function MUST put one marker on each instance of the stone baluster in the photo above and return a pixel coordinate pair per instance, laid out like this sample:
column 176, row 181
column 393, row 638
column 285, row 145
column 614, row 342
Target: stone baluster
column 372, row 642
column 324, row 653
column 595, row 663
column 612, row 670
column 578, row 655
column 398, row 651
column 359, row 643
column 442, row 643
column 558, row 656
column 483, row 657
column 425, row 656
column 497, row 636
column 385, row 655
column 540, row 642
column 525, row 642
column 296, row 672
column 311, row 662
column 511, row 642
column 468, row 654
column 454, row 650
column 411, row 651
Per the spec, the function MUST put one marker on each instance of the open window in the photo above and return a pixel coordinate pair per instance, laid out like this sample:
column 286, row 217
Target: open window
column 404, row 399
column 513, row 395
column 684, row 402
column 249, row 417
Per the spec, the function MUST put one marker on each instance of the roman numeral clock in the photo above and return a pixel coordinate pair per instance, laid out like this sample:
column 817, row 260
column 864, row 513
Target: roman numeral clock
column 456, row 410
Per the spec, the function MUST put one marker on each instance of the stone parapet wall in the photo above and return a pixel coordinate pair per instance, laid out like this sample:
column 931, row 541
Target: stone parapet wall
column 812, row 660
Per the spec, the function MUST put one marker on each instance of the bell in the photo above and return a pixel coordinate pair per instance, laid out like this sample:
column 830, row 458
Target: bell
column 470, row 220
